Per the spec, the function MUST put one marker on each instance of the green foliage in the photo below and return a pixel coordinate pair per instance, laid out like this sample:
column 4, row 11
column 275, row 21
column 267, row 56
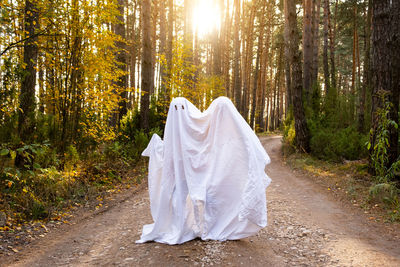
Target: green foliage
column 71, row 157
column 333, row 138
column 379, row 150
column 8, row 129
column 316, row 99
column 289, row 132
column 130, row 123
column 47, row 157
column 336, row 145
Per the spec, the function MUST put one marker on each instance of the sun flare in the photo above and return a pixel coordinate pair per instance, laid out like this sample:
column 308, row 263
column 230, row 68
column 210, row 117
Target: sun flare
column 206, row 17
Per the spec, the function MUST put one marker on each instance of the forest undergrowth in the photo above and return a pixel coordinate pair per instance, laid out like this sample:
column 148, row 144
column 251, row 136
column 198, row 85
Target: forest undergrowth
column 343, row 159
column 50, row 183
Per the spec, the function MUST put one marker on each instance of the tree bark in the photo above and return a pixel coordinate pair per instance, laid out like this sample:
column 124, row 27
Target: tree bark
column 316, row 17
column 236, row 62
column 385, row 62
column 169, row 49
column 302, row 133
column 76, row 73
column 247, row 65
column 394, row 46
column 121, row 82
column 325, row 50
column 154, row 20
column 227, row 51
column 288, row 71
column 163, row 43
column 307, row 49
column 133, row 58
column 26, row 113
column 255, row 105
column 332, row 37
column 146, row 64
column 354, row 69
column 367, row 69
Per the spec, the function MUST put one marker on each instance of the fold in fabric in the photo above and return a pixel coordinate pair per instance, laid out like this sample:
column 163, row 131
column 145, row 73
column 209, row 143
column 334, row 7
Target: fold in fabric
column 207, row 178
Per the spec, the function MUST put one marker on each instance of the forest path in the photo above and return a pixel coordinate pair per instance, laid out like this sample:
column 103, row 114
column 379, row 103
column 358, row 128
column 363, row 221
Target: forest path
column 307, row 227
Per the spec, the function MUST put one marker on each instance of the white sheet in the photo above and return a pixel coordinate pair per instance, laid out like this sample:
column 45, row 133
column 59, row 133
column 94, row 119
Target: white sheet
column 206, row 179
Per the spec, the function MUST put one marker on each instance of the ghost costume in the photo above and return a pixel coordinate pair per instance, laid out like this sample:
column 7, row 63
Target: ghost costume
column 206, row 179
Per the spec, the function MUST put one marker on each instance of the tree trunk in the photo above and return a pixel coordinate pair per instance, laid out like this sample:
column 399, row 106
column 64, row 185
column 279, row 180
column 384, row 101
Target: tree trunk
column 169, row 49
column 367, row 70
column 227, row 51
column 163, row 43
column 76, row 73
column 260, row 75
column 146, row 64
column 279, row 88
column 236, row 62
column 394, row 46
column 188, row 41
column 217, row 38
column 316, row 16
column 385, row 62
column 247, row 65
column 332, row 37
column 133, row 58
column 354, row 69
column 301, row 129
column 41, row 66
column 154, row 18
column 288, row 73
column 256, row 80
column 325, row 50
column 307, row 49
column 26, row 113
column 119, row 30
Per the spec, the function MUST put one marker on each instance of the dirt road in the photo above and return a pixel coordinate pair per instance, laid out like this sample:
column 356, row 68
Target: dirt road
column 307, row 227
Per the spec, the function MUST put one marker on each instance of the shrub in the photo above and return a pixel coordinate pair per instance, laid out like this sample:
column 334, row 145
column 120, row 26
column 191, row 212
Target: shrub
column 346, row 143
column 380, row 148
column 141, row 140
column 71, row 157
column 47, row 157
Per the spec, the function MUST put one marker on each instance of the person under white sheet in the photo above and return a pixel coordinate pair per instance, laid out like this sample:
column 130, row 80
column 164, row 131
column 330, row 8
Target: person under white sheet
column 207, row 178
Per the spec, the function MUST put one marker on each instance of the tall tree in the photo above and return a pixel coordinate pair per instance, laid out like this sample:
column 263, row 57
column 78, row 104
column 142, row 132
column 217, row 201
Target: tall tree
column 217, row 38
column 169, row 46
column 307, row 49
column 26, row 113
column 76, row 71
column 134, row 44
column 236, row 61
column 121, row 83
column 227, row 51
column 355, row 59
column 154, row 20
column 146, row 64
column 163, row 43
column 385, row 62
column 325, row 49
column 256, row 110
column 332, row 37
column 188, row 41
column 288, row 70
column 395, row 86
column 367, row 69
column 247, row 59
column 301, row 129
column 316, row 17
